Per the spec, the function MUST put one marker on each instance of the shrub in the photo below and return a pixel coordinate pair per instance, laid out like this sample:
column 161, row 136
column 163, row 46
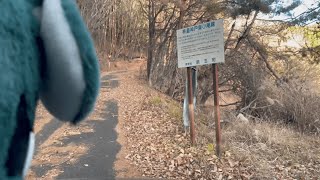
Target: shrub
column 291, row 102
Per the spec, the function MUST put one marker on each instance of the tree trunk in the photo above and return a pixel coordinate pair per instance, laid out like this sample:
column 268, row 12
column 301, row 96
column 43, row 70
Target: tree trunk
column 180, row 25
column 152, row 27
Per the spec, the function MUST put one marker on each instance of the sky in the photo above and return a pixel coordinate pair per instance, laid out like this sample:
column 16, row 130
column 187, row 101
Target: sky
column 305, row 5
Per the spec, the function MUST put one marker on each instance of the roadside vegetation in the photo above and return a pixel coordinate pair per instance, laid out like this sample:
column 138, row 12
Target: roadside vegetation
column 271, row 77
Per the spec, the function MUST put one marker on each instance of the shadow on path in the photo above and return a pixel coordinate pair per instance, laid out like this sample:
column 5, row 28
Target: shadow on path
column 109, row 82
column 98, row 162
column 46, row 132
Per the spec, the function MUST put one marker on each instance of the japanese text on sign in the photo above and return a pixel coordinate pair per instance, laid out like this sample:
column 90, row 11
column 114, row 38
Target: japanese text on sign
column 201, row 44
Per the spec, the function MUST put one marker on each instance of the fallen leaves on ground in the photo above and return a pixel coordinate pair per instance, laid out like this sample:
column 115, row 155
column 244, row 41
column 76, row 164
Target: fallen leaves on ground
column 156, row 142
column 157, row 146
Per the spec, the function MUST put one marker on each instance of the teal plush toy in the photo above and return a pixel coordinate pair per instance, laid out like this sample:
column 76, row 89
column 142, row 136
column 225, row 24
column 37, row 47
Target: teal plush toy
column 46, row 53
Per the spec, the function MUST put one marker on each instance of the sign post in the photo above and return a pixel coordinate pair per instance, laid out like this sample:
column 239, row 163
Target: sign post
column 216, row 108
column 191, row 107
column 201, row 45
column 189, row 80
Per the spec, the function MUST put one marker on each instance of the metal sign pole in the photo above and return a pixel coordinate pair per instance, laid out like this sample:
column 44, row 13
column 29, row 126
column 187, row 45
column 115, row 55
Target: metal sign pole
column 216, row 108
column 191, row 107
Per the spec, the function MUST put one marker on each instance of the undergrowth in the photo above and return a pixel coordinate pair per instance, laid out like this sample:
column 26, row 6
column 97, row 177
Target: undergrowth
column 268, row 149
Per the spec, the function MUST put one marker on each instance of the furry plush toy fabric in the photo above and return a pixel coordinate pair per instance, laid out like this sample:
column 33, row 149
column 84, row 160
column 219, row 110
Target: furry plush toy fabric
column 45, row 53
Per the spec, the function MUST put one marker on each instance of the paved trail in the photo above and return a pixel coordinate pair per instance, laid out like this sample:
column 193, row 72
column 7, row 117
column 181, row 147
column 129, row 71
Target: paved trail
column 87, row 151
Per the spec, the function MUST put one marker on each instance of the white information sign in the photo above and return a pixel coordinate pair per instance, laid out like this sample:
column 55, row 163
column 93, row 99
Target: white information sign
column 201, row 44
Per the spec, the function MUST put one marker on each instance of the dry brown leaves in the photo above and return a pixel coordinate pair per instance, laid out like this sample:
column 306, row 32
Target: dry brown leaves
column 157, row 146
column 155, row 141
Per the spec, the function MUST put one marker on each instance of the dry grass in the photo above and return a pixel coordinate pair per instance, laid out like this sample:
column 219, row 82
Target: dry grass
column 292, row 103
column 175, row 110
column 269, row 148
column 265, row 149
column 155, row 101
